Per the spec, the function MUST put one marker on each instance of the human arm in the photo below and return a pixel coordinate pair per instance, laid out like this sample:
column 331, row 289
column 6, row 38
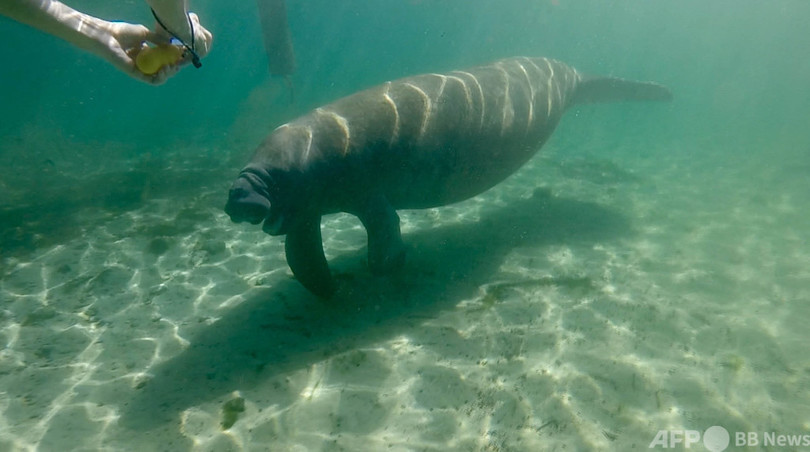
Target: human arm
column 117, row 42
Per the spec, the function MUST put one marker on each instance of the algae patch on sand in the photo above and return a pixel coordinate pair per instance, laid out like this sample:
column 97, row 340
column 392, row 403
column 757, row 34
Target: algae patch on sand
column 231, row 410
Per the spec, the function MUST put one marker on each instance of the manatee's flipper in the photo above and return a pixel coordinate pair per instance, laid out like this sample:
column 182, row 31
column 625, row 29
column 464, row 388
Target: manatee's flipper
column 610, row 89
column 306, row 259
column 386, row 251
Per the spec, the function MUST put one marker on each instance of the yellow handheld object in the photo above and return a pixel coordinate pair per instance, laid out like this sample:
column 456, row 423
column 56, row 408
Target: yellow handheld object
column 151, row 59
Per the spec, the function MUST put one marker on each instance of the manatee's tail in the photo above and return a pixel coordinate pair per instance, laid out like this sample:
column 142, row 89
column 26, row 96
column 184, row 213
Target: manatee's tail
column 610, row 89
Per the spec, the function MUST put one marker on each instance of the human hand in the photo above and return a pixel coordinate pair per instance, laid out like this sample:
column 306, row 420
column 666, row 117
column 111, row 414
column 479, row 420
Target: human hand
column 117, row 42
column 126, row 41
column 202, row 37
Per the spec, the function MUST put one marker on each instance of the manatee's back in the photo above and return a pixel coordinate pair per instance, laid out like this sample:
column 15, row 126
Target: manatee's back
column 433, row 139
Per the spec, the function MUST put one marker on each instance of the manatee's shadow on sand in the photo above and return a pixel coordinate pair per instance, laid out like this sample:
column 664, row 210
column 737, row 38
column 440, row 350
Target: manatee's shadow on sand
column 270, row 334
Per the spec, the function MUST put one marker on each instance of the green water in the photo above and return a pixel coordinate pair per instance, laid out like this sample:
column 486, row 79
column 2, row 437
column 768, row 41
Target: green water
column 647, row 271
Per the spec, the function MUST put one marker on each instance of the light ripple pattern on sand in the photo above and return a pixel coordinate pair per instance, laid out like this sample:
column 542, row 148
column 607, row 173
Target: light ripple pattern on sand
column 546, row 342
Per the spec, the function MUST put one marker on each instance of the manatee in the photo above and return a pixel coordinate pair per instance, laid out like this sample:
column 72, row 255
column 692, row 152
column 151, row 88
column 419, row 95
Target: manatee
column 414, row 143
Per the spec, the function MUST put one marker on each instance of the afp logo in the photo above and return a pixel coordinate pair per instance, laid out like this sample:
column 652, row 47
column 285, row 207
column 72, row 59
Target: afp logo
column 715, row 439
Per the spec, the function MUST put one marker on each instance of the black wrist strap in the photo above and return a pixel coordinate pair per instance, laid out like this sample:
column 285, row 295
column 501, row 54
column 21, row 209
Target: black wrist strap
column 195, row 59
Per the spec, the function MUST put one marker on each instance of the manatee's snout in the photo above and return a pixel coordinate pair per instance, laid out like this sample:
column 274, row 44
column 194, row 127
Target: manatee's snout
column 246, row 204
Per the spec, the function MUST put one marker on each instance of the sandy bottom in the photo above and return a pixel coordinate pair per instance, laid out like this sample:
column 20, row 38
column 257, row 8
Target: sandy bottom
column 584, row 304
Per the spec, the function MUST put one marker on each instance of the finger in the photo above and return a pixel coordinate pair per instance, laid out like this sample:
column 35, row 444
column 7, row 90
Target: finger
column 124, row 60
column 133, row 52
column 157, row 37
column 140, row 76
column 158, row 79
column 164, row 74
column 203, row 37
